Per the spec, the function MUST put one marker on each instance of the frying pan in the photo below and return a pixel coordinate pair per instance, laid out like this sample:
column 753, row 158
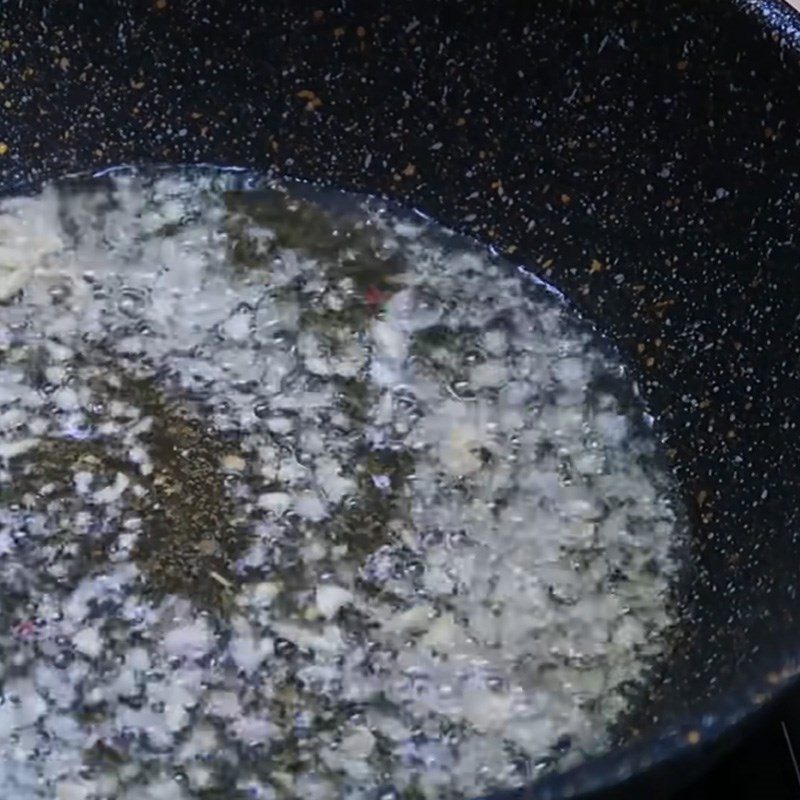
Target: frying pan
column 657, row 139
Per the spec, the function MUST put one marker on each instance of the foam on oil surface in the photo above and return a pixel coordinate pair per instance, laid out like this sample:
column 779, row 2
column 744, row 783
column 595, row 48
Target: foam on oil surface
column 305, row 497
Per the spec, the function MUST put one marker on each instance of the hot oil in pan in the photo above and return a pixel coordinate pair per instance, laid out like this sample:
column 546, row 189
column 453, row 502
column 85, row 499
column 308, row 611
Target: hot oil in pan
column 304, row 496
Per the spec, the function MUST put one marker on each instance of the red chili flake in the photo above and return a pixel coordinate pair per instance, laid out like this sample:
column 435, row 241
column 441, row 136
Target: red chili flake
column 25, row 628
column 375, row 298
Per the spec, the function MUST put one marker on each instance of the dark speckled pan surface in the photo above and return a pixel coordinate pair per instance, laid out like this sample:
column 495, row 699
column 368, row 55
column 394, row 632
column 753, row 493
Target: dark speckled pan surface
column 643, row 157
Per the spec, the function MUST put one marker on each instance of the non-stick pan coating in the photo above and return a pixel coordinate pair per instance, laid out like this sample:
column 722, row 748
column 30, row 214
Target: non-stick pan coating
column 659, row 140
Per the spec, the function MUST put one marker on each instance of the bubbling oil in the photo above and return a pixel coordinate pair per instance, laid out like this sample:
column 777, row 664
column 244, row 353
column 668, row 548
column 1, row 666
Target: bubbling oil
column 302, row 494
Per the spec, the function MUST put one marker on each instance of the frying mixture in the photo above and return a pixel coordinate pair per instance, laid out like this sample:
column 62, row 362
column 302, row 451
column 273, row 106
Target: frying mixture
column 303, row 496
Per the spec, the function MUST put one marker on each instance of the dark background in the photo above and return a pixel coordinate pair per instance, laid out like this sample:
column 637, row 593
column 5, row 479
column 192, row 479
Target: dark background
column 758, row 767
column 761, row 766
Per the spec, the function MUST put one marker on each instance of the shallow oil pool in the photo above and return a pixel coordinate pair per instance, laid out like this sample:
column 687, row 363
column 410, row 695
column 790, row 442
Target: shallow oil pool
column 301, row 496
